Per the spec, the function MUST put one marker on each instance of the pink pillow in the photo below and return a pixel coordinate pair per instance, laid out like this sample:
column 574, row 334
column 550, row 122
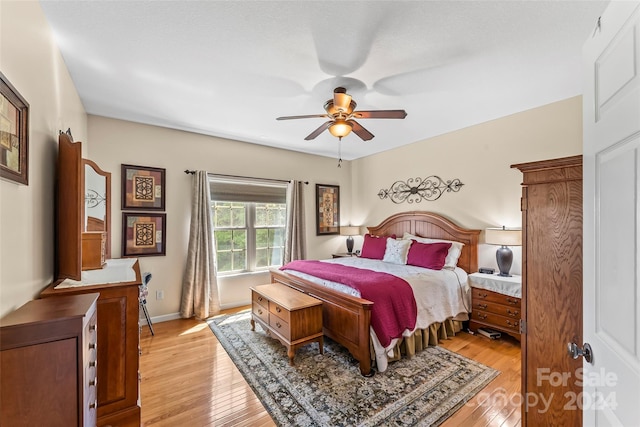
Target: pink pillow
column 374, row 246
column 428, row 255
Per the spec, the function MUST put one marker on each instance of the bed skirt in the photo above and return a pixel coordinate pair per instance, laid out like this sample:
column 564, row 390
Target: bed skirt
column 421, row 339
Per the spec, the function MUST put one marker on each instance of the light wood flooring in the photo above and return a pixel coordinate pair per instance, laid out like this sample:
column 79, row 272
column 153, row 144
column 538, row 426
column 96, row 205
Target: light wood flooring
column 187, row 379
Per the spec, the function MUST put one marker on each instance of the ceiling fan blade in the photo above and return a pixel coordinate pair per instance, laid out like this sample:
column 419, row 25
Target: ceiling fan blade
column 310, row 116
column 364, row 134
column 318, row 131
column 380, row 114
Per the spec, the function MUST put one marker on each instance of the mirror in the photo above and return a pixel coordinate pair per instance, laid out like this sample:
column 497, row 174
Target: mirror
column 97, row 201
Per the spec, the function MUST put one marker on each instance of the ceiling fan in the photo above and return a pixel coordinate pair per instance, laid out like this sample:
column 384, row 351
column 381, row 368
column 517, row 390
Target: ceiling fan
column 341, row 114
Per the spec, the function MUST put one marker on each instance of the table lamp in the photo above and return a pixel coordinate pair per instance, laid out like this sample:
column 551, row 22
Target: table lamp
column 504, row 237
column 349, row 230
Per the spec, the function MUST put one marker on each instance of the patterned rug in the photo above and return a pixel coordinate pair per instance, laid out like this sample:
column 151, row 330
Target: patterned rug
column 328, row 390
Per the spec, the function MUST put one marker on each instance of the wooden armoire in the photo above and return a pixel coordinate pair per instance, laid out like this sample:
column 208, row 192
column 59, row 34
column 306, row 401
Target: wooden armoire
column 551, row 291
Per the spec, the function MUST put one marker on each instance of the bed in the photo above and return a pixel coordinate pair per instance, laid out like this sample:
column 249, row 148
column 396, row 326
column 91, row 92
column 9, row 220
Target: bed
column 347, row 318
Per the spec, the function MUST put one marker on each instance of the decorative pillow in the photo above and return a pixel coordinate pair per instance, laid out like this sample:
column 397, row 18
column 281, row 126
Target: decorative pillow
column 454, row 251
column 428, row 255
column 373, row 247
column 396, row 251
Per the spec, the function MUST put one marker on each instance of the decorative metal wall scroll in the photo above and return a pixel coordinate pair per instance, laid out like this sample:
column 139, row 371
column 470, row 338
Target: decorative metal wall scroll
column 93, row 198
column 415, row 190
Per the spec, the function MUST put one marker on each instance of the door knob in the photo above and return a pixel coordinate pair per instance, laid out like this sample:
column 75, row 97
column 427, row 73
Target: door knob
column 575, row 351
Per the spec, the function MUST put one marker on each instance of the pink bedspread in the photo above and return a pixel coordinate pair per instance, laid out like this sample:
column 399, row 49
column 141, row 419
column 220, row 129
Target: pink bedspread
column 394, row 306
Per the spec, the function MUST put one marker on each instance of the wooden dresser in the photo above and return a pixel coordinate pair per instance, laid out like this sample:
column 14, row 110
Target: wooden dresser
column 48, row 363
column 292, row 317
column 551, row 288
column 495, row 309
column 118, row 353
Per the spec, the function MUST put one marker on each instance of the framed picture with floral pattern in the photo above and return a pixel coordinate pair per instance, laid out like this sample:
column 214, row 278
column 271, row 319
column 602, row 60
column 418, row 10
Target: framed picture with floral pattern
column 327, row 209
column 143, row 188
column 14, row 134
column 143, row 234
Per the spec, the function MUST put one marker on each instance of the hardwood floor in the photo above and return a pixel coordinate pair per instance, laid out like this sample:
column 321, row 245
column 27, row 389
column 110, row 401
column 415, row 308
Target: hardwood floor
column 188, row 379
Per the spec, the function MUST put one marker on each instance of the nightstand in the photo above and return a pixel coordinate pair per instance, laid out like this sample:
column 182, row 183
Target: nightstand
column 343, row 255
column 496, row 303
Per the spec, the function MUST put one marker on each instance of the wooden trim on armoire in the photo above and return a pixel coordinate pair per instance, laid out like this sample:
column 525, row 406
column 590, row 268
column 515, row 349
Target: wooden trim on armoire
column 556, row 186
column 69, row 207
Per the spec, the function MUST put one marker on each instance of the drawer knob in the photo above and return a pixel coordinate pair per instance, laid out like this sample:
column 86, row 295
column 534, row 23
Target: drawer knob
column 278, row 324
column 93, row 327
column 482, row 306
column 512, row 301
column 513, row 313
column 93, row 382
column 92, row 364
column 93, row 405
column 513, row 325
column 278, row 309
column 259, row 298
column 259, row 311
column 92, row 346
column 483, row 295
column 481, row 316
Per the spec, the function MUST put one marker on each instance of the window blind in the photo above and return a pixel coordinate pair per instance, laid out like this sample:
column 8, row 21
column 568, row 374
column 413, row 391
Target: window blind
column 225, row 189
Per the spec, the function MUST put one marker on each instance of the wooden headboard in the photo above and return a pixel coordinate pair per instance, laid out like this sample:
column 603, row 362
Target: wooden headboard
column 427, row 224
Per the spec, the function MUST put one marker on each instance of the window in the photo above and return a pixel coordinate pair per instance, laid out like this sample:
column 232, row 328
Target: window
column 249, row 224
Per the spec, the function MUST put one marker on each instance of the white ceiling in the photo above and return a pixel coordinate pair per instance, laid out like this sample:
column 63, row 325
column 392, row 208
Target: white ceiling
column 229, row 68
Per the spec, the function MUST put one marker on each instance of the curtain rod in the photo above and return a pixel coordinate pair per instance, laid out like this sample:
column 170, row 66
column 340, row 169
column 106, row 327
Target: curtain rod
column 190, row 172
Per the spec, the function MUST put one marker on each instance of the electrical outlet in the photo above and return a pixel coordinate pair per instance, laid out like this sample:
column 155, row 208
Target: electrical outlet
column 159, row 294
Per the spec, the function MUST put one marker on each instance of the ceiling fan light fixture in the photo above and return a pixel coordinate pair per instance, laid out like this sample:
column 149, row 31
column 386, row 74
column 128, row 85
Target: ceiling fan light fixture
column 341, row 128
column 342, row 102
column 337, row 111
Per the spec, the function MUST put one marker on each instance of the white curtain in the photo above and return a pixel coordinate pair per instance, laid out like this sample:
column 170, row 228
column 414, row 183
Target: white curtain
column 295, row 242
column 199, row 286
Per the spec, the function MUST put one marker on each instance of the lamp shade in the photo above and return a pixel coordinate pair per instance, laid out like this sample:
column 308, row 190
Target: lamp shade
column 503, row 236
column 350, row 230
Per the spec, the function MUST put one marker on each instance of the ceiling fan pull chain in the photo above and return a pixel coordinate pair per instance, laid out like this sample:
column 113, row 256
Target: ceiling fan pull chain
column 340, row 152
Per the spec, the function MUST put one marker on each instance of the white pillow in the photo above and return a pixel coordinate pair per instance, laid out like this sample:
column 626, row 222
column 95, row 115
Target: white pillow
column 451, row 261
column 396, row 251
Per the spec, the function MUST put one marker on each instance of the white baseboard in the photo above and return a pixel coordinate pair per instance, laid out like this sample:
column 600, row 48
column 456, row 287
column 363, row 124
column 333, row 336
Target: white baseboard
column 174, row 316
column 234, row 304
column 159, row 319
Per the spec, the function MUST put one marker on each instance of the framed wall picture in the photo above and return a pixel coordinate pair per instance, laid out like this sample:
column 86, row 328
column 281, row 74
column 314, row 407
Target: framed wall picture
column 14, row 134
column 143, row 234
column 327, row 209
column 143, row 188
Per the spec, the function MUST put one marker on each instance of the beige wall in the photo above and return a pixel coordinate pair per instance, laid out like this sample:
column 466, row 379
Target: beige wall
column 30, row 59
column 114, row 142
column 480, row 156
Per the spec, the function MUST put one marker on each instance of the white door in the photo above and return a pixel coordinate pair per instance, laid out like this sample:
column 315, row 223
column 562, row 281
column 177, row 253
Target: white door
column 611, row 295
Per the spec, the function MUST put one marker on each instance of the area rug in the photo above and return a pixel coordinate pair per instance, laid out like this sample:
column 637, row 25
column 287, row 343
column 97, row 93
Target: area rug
column 328, row 390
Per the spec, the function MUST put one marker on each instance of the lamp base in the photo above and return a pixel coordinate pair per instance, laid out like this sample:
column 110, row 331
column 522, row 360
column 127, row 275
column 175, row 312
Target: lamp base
column 349, row 244
column 504, row 257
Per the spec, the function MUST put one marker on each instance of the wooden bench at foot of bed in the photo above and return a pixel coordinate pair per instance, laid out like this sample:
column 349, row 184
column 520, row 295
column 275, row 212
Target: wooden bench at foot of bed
column 345, row 318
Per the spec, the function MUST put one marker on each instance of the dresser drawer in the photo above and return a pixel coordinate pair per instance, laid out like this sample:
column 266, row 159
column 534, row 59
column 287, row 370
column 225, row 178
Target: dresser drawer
column 261, row 312
column 497, row 320
column 484, row 295
column 279, row 311
column 280, row 326
column 259, row 299
column 501, row 309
